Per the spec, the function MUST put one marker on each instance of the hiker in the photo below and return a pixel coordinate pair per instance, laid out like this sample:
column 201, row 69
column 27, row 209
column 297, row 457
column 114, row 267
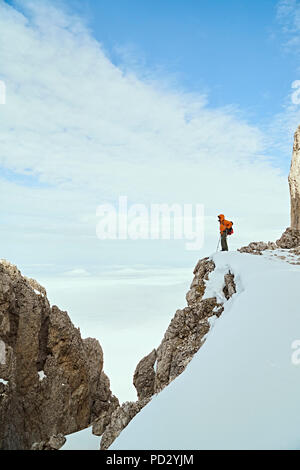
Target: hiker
column 225, row 229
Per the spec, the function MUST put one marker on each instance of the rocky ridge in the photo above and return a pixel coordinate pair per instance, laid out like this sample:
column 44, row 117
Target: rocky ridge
column 51, row 380
column 294, row 182
column 289, row 240
column 183, row 338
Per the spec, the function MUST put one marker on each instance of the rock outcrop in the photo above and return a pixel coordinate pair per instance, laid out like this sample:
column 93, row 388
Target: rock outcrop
column 256, row 248
column 144, row 376
column 289, row 239
column 119, row 419
column 188, row 328
column 51, row 381
column 54, row 443
column 183, row 338
column 294, row 182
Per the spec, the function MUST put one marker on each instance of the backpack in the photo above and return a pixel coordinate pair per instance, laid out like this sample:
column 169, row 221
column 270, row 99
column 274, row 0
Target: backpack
column 230, row 230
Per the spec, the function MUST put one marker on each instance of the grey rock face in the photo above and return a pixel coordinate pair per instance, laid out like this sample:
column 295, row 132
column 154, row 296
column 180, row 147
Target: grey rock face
column 256, row 248
column 120, row 418
column 294, row 183
column 109, row 403
column 289, row 239
column 229, row 288
column 182, row 339
column 53, row 380
column 144, row 376
column 186, row 332
column 54, row 443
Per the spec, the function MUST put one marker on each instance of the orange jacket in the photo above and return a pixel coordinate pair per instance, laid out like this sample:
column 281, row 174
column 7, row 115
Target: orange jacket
column 224, row 224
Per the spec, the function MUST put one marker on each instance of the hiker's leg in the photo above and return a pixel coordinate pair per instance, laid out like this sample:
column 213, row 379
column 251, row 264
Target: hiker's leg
column 226, row 246
column 224, row 241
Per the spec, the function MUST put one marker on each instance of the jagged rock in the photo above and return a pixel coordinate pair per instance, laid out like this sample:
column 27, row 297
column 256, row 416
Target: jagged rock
column 104, row 417
column 104, row 401
column 289, row 239
column 54, row 443
column 183, row 338
column 201, row 272
column 55, row 383
column 181, row 341
column 229, row 288
column 256, row 248
column 144, row 376
column 108, row 404
column 294, row 182
column 120, row 418
column 187, row 330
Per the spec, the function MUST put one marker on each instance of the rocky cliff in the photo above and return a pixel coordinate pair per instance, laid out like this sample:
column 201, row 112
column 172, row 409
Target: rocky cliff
column 183, row 338
column 51, row 380
column 294, row 183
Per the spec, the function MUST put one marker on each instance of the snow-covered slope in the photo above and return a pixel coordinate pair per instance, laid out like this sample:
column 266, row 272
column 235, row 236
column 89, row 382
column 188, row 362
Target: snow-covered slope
column 82, row 440
column 242, row 389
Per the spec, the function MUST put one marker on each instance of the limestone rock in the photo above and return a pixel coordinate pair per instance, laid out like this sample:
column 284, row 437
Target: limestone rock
column 289, row 239
column 120, row 418
column 54, row 443
column 108, row 404
column 201, row 272
column 256, row 248
column 229, row 288
column 55, row 383
column 185, row 334
column 294, row 183
column 296, row 250
column 144, row 376
column 183, row 338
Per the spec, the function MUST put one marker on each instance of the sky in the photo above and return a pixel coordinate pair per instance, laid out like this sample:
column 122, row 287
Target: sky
column 163, row 102
column 231, row 50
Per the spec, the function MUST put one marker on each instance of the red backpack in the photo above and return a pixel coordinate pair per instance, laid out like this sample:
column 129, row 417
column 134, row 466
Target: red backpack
column 230, row 230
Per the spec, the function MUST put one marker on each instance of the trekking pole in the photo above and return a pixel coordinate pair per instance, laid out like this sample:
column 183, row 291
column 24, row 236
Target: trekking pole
column 218, row 243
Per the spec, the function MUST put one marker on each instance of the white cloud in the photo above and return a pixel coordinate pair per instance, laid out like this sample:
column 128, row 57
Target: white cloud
column 282, row 126
column 288, row 14
column 79, row 272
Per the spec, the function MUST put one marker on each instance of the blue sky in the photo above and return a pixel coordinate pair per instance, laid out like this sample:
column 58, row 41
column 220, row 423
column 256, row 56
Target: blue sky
column 231, row 50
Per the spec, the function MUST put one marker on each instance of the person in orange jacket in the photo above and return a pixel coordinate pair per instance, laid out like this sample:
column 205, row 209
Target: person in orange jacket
column 225, row 226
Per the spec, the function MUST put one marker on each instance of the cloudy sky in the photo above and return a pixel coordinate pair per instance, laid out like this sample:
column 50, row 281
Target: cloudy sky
column 169, row 101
